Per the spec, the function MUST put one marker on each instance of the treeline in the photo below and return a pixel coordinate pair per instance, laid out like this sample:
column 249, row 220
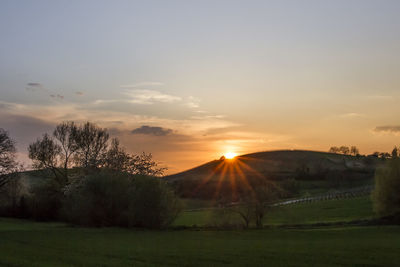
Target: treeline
column 345, row 150
column 354, row 151
column 88, row 179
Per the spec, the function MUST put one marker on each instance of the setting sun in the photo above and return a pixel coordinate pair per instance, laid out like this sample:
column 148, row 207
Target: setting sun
column 230, row 155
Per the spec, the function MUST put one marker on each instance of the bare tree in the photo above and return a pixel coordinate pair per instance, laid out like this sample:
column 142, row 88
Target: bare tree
column 66, row 133
column 334, row 149
column 117, row 158
column 8, row 163
column 354, row 151
column 92, row 142
column 345, row 150
column 45, row 154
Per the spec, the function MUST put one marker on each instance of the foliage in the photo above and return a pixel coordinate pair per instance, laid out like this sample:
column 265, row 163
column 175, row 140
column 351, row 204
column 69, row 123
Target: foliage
column 121, row 199
column 386, row 195
column 45, row 200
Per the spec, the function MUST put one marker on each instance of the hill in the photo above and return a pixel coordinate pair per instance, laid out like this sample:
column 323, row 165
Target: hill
column 296, row 171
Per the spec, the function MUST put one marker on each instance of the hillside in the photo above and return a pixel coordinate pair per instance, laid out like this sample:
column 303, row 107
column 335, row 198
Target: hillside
column 297, row 170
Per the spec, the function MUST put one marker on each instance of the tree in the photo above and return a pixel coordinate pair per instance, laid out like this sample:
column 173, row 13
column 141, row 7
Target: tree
column 144, row 164
column 344, row 149
column 45, row 154
column 66, row 133
column 253, row 204
column 8, row 163
column 395, row 153
column 92, row 142
column 386, row 195
column 116, row 158
column 354, row 151
column 334, row 149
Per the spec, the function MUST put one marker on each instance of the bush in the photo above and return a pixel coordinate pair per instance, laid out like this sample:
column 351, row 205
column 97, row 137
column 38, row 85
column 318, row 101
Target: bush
column 120, row 199
column 45, row 201
column 386, row 195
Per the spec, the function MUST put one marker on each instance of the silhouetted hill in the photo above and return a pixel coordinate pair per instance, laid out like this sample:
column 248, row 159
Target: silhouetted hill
column 291, row 169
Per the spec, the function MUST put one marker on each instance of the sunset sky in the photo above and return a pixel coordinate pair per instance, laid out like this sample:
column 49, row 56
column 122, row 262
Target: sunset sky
column 191, row 80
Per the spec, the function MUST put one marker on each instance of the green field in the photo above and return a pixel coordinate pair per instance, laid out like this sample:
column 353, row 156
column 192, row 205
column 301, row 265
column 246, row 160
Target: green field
column 24, row 243
column 328, row 211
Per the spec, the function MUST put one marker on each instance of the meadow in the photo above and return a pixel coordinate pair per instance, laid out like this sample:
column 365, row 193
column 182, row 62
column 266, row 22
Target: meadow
column 329, row 211
column 25, row 243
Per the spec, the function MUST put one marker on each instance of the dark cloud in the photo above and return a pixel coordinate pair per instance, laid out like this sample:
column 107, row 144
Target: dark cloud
column 152, row 130
column 34, row 85
column 390, row 129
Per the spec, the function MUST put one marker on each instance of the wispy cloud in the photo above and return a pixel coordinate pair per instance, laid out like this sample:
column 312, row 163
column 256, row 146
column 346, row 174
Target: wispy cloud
column 141, row 84
column 152, row 130
column 388, row 129
column 352, row 115
column 192, row 102
column 148, row 97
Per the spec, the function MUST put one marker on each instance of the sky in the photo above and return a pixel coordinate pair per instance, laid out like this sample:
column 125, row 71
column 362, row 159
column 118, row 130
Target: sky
column 191, row 80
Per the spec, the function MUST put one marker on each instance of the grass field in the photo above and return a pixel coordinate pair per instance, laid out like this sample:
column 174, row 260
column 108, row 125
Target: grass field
column 24, row 243
column 342, row 210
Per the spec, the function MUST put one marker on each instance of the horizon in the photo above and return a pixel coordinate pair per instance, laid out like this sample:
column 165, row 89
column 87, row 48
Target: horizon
column 190, row 82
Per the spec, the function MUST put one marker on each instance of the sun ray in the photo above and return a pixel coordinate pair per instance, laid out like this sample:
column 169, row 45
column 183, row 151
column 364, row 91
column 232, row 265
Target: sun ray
column 220, row 181
column 208, row 178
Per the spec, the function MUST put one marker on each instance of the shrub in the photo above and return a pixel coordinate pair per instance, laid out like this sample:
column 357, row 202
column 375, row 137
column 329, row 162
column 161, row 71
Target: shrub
column 44, row 202
column 120, row 199
column 386, row 195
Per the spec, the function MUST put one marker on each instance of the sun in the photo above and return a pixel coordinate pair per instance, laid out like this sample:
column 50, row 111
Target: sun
column 230, row 155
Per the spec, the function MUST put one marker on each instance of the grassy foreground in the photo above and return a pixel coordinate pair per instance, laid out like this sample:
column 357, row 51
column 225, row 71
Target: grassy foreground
column 342, row 210
column 24, row 243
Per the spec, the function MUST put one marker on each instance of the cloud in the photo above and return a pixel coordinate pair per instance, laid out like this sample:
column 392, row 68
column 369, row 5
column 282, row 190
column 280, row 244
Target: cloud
column 192, row 102
column 57, row 96
column 352, row 115
column 380, row 97
column 149, row 97
column 142, row 84
column 152, row 130
column 388, row 129
column 34, row 85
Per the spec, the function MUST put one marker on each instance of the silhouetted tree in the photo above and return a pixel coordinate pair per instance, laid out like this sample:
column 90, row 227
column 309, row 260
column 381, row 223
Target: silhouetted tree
column 45, row 154
column 144, row 164
column 354, row 151
column 92, row 142
column 334, row 149
column 8, row 163
column 395, row 153
column 344, row 149
column 66, row 134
